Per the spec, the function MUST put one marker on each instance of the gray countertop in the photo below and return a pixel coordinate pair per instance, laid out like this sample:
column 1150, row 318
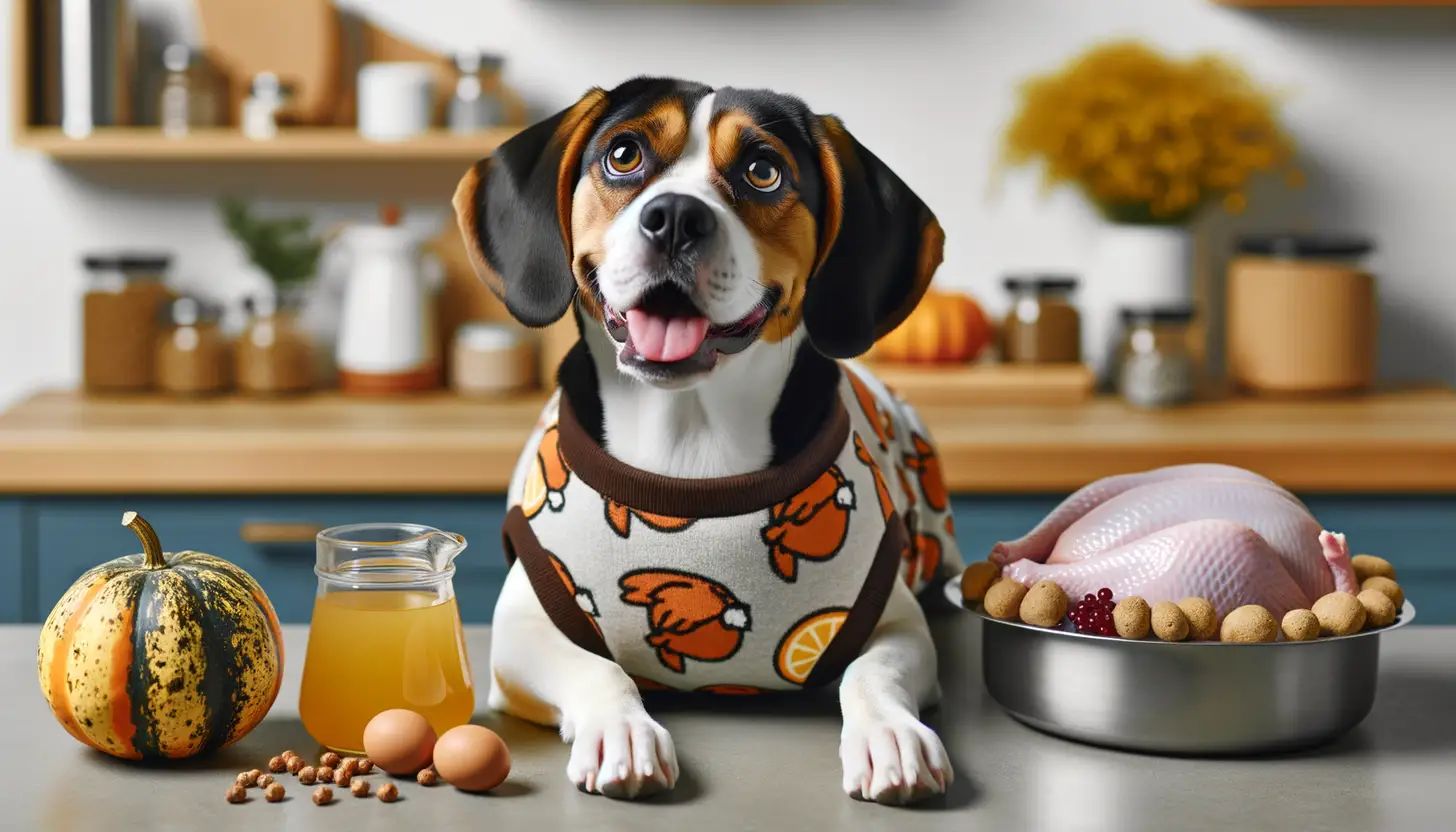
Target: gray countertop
column 766, row 766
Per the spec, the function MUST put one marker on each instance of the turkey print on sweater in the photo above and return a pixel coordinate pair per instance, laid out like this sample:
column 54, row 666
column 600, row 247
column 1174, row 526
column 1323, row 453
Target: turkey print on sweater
column 771, row 580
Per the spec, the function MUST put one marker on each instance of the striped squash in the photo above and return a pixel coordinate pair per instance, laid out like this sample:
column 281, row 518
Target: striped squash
column 161, row 655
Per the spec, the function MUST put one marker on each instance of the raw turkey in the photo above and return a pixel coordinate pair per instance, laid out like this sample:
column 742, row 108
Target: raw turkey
column 1212, row 531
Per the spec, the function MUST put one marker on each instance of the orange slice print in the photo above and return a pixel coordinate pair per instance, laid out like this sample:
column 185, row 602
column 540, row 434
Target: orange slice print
column 619, row 517
column 804, row 644
column 811, row 525
column 950, row 526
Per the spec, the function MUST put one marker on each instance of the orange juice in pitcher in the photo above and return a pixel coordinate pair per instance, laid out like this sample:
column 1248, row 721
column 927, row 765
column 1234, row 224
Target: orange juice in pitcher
column 385, row 633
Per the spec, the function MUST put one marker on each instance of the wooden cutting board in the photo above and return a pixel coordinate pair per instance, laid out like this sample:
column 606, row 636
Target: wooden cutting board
column 974, row 384
column 299, row 40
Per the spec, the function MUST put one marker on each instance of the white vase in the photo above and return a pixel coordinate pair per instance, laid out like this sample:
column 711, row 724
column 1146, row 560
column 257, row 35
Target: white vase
column 1135, row 265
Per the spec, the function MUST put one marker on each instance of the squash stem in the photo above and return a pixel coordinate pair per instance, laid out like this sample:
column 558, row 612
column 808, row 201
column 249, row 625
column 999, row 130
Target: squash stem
column 151, row 546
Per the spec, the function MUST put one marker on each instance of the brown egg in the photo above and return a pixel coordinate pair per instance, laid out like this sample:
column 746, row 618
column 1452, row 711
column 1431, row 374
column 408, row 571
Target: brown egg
column 472, row 758
column 399, row 741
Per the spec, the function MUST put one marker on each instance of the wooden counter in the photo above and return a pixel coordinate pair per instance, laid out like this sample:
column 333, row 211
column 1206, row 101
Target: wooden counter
column 63, row 443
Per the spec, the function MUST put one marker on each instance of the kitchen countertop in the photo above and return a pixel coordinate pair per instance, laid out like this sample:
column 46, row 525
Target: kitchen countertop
column 766, row 766
column 66, row 443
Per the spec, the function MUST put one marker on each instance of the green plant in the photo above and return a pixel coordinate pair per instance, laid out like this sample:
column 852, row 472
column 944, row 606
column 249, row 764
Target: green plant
column 283, row 248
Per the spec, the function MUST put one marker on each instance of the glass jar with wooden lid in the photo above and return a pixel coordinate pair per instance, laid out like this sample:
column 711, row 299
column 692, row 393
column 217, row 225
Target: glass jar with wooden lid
column 119, row 320
column 1302, row 314
column 1042, row 326
column 192, row 356
column 273, row 355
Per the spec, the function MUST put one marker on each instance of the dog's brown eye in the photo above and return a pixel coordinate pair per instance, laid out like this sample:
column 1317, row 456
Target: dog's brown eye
column 623, row 157
column 763, row 175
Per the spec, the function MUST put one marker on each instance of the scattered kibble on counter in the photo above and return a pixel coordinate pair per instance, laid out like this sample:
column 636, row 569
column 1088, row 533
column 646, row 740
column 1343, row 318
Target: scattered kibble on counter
column 274, row 792
column 323, row 795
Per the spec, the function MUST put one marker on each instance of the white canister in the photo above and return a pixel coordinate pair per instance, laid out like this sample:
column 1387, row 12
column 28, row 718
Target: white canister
column 490, row 359
column 1136, row 265
column 396, row 100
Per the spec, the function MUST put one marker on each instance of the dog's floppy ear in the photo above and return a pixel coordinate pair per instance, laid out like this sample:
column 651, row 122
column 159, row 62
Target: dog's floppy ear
column 879, row 245
column 514, row 210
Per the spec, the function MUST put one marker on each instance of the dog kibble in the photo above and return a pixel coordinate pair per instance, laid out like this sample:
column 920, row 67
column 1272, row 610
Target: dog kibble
column 295, row 765
column 307, row 776
column 359, row 788
column 1379, row 609
column 1202, row 618
column 427, row 777
column 1045, row 605
column 388, row 793
column 349, row 765
column 365, row 766
column 1370, row 566
column 977, row 579
column 325, row 774
column 277, row 764
column 289, row 754
column 1340, row 614
column 274, row 793
column 1003, row 599
column 1169, row 621
column 342, row 777
column 253, row 777
column 1300, row 625
column 237, row 794
column 1132, row 617
column 246, row 778
column 322, row 795
column 329, row 759
column 1389, row 588
column 265, row 780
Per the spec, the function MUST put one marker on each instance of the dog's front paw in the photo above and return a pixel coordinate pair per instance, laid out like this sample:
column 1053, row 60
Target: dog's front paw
column 620, row 753
column 893, row 759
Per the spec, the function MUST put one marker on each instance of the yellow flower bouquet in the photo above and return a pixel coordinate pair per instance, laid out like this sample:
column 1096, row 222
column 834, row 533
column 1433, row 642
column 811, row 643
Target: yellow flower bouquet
column 1147, row 138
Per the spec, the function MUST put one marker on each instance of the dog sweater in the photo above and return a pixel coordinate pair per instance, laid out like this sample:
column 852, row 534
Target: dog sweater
column 772, row 580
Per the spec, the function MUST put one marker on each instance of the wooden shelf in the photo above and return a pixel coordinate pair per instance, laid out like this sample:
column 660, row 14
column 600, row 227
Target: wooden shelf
column 327, row 144
column 64, row 443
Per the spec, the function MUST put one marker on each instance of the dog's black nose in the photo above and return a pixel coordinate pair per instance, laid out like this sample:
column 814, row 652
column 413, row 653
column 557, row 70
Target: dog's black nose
column 675, row 223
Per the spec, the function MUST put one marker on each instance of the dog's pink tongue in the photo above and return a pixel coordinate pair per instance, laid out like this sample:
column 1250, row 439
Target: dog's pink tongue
column 665, row 339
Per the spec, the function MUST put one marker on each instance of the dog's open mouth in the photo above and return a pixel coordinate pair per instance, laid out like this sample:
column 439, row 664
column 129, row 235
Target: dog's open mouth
column 666, row 331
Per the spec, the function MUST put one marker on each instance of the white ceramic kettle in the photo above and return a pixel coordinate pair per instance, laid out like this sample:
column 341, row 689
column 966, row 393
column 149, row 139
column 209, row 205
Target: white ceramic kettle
column 386, row 339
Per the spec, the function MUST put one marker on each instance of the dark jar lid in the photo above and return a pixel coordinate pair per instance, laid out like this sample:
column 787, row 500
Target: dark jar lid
column 1164, row 314
column 1040, row 283
column 130, row 262
column 1306, row 246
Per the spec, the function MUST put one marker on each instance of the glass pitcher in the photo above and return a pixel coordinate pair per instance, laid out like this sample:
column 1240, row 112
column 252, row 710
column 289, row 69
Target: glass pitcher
column 385, row 633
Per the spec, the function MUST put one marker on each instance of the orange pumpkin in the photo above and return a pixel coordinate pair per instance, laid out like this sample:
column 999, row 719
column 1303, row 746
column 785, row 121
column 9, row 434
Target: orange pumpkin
column 945, row 328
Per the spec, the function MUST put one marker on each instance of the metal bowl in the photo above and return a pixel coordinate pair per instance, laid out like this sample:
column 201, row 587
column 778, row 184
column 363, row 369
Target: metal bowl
column 1182, row 698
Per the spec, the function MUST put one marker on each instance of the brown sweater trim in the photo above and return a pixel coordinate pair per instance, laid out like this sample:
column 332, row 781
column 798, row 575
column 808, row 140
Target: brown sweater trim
column 710, row 497
column 520, row 542
column 869, row 605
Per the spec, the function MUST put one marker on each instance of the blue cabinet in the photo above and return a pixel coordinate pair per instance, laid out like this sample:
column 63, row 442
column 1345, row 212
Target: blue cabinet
column 46, row 543
column 69, row 535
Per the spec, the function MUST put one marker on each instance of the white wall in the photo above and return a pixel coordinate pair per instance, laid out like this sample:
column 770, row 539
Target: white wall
column 926, row 84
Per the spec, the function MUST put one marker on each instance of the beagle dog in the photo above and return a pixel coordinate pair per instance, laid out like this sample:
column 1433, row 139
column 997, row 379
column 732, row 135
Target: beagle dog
column 716, row 499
